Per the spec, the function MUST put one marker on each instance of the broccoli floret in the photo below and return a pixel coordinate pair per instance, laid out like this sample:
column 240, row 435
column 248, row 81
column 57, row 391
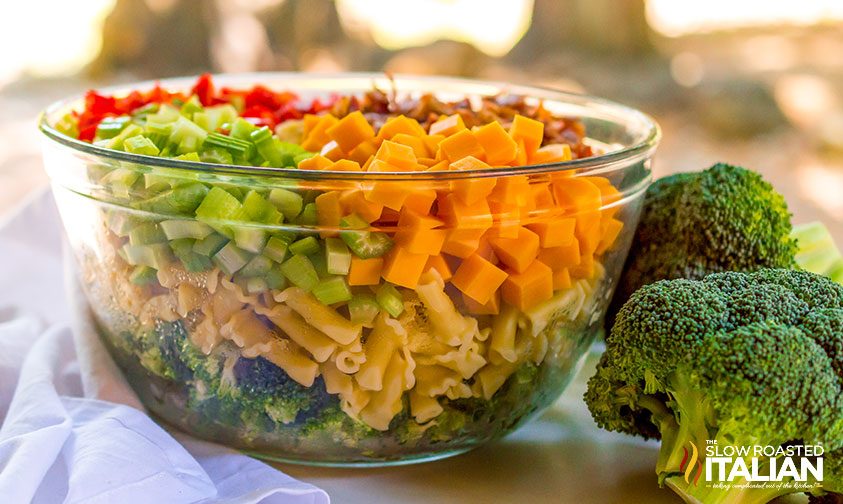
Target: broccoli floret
column 341, row 428
column 265, row 387
column 159, row 350
column 739, row 358
column 826, row 327
column 253, row 394
column 725, row 218
column 468, row 418
column 225, row 388
column 506, row 409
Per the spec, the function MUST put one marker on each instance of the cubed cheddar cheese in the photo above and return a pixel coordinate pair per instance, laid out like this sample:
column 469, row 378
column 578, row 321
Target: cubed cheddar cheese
column 350, row 131
column 346, row 165
column 527, row 289
column 520, row 154
column 400, row 125
column 553, row 153
column 416, row 143
column 541, row 195
column 365, row 271
column 608, row 195
column 517, row 253
column 512, row 239
column 473, row 189
column 328, row 212
column 610, row 229
column 442, row 165
column 514, row 189
column 353, row 202
column 529, row 131
column 457, row 214
column 566, row 256
column 459, row 145
column 485, row 250
column 447, row 126
column 438, row 263
column 554, row 231
column 491, row 307
column 507, row 218
column 332, row 151
column 412, row 219
column 462, row 242
column 389, row 216
column 478, row 278
column 403, row 267
column 420, row 200
column 585, row 269
column 499, row 147
column 316, row 162
column 431, row 142
column 379, row 165
column 309, row 121
column 421, row 240
column 562, row 279
column 399, row 156
column 364, row 152
column 388, row 193
column 588, row 230
column 577, row 194
column 317, row 135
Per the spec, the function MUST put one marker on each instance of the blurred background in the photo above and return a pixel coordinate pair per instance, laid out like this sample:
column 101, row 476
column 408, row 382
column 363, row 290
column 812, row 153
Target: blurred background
column 751, row 82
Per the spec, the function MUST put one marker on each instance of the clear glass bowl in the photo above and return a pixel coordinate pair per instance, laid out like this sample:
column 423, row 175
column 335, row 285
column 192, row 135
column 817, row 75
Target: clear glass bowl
column 275, row 373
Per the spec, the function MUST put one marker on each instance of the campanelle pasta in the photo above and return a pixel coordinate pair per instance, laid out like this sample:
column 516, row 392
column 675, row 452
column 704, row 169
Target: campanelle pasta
column 380, row 347
column 320, row 316
column 289, row 357
column 386, row 402
column 320, row 346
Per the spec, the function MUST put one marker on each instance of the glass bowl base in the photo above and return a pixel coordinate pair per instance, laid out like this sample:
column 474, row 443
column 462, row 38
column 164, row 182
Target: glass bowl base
column 403, row 461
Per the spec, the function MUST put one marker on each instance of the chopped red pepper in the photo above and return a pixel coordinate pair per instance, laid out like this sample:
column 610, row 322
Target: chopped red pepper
column 204, row 89
column 262, row 106
column 97, row 107
column 129, row 103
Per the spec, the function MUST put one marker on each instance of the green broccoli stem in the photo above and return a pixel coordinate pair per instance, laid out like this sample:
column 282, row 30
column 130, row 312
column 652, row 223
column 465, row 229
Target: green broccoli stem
column 686, row 419
column 694, row 421
column 738, row 491
column 682, row 422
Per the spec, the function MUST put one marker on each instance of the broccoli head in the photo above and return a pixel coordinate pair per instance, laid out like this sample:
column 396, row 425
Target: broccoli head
column 159, row 350
column 725, row 218
column 265, row 387
column 740, row 359
column 251, row 394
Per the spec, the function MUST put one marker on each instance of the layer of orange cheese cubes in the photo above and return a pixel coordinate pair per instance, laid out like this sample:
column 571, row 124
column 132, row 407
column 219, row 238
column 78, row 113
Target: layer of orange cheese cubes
column 512, row 238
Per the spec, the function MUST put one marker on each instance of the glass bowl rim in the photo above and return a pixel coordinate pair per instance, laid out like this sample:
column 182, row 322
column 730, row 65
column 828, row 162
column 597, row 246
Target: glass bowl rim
column 640, row 150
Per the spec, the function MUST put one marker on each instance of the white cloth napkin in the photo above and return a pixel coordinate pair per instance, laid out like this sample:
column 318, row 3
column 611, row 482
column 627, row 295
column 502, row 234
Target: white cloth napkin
column 73, row 431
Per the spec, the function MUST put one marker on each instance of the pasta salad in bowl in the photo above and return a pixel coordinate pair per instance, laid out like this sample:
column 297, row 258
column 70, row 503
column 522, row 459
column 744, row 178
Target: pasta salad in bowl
column 347, row 269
